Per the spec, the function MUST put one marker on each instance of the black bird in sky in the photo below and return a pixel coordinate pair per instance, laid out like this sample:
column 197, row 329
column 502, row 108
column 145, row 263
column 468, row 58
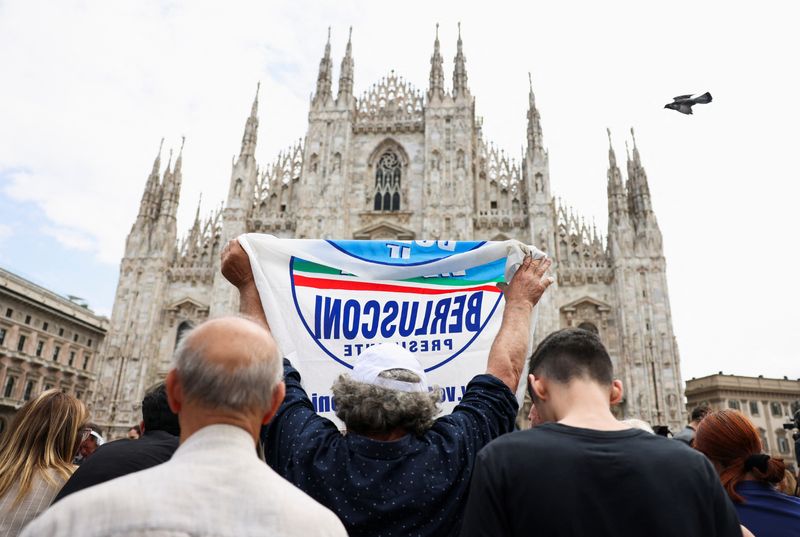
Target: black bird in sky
column 684, row 103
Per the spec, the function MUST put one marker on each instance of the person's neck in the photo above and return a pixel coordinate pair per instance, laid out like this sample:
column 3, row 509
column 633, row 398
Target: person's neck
column 193, row 421
column 585, row 404
column 390, row 436
column 694, row 424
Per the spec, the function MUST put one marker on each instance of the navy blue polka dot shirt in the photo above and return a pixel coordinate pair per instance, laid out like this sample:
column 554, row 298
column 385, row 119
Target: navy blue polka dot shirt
column 414, row 486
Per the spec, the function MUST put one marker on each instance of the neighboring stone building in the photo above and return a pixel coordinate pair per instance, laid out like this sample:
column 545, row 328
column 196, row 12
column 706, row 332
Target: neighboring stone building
column 46, row 341
column 769, row 403
column 399, row 164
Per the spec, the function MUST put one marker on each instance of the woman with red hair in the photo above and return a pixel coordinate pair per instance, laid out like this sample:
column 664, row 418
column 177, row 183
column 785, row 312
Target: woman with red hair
column 733, row 445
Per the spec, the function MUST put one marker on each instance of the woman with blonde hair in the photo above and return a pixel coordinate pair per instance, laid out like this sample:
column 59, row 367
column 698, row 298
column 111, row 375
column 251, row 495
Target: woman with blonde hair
column 36, row 457
column 733, row 445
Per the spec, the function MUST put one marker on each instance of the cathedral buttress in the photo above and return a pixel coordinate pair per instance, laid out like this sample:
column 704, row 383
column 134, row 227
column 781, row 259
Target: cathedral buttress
column 126, row 363
column 244, row 176
column 652, row 363
column 327, row 171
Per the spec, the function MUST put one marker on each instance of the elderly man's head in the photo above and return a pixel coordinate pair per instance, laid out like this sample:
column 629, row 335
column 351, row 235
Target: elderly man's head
column 226, row 371
column 386, row 393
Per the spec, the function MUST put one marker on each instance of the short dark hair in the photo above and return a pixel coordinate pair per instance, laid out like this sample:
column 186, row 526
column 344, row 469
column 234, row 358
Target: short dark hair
column 572, row 353
column 94, row 427
column 700, row 412
column 156, row 413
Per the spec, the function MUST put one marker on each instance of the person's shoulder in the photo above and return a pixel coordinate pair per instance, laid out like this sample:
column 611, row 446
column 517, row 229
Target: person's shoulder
column 156, row 439
column 758, row 492
column 670, row 446
column 669, row 453
column 126, row 453
column 113, row 449
column 536, row 437
column 306, row 515
column 115, row 499
column 487, row 382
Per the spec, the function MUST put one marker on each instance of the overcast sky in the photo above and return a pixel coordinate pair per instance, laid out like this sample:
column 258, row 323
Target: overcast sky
column 89, row 88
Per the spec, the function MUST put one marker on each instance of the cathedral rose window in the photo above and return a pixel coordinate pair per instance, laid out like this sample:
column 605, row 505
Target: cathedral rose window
column 387, row 182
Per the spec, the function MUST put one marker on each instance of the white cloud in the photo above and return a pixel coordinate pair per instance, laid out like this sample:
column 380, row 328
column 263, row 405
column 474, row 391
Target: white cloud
column 96, row 84
column 6, row 231
column 71, row 238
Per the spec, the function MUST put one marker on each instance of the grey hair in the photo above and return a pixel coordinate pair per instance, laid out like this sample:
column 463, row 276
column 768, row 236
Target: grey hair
column 369, row 409
column 216, row 385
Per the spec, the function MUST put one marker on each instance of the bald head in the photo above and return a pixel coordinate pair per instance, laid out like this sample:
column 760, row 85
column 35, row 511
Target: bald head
column 229, row 364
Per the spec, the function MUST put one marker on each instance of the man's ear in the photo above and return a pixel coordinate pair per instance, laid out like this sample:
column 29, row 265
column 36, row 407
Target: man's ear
column 174, row 391
column 141, row 426
column 539, row 387
column 616, row 392
column 277, row 398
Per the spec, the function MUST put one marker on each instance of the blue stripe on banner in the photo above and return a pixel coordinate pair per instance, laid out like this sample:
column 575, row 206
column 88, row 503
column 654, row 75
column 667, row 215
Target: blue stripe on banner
column 400, row 253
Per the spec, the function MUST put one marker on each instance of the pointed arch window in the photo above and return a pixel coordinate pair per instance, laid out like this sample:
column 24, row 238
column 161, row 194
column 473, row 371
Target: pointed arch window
column 184, row 327
column 388, row 174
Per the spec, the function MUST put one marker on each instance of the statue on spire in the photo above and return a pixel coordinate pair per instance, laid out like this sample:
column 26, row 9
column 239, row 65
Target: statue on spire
column 460, row 88
column 325, row 76
column 636, row 159
column 250, row 136
column 535, row 136
column 612, row 157
column 151, row 188
column 346, row 73
column 436, row 84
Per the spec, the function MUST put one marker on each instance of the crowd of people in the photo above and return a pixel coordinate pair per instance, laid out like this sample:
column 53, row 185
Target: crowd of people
column 230, row 445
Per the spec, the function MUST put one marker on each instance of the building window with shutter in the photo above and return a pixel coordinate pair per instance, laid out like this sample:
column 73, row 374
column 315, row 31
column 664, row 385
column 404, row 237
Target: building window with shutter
column 55, row 353
column 764, row 442
column 21, row 343
column 776, row 409
column 734, row 404
column 28, row 390
column 39, row 348
column 2, row 335
column 9, row 389
column 754, row 408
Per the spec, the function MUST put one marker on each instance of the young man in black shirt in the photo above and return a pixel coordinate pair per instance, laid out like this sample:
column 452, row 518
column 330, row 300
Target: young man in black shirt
column 122, row 457
column 582, row 472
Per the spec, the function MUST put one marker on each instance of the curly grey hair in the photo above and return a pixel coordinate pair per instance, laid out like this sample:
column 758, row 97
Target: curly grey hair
column 369, row 409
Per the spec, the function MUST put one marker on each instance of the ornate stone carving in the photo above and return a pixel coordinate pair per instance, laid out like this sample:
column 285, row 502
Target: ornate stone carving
column 383, row 230
column 390, row 105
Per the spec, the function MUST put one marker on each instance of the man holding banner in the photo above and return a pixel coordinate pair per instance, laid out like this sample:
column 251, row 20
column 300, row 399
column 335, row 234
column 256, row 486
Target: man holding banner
column 385, row 317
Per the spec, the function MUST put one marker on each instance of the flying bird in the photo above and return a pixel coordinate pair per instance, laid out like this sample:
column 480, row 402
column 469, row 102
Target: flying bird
column 684, row 103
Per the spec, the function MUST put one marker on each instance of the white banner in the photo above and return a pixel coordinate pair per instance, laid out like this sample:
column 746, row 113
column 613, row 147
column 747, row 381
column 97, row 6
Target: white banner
column 326, row 301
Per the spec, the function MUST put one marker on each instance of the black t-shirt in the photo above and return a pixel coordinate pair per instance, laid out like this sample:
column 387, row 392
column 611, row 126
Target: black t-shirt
column 556, row 480
column 121, row 457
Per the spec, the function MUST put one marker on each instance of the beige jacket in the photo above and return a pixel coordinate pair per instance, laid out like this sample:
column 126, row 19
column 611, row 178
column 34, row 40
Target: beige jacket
column 214, row 485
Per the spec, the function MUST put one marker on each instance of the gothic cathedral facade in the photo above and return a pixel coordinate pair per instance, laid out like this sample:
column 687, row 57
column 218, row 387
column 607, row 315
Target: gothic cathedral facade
column 398, row 164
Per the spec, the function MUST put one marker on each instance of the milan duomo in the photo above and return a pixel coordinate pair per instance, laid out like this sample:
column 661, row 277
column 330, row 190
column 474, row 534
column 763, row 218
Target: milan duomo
column 396, row 163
